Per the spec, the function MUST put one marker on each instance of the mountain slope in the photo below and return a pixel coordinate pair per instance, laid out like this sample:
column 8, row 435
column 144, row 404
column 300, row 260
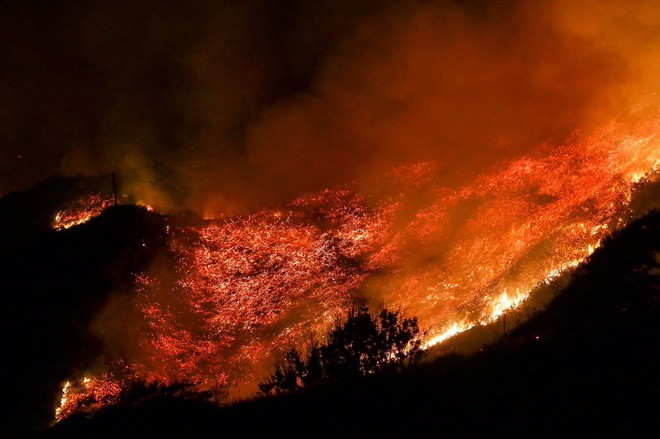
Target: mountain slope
column 54, row 283
column 586, row 364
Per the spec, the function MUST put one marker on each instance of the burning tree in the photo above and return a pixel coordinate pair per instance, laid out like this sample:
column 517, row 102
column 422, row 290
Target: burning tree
column 365, row 344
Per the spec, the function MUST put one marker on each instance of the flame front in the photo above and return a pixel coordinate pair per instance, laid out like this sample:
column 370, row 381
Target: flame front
column 87, row 394
column 81, row 211
column 238, row 290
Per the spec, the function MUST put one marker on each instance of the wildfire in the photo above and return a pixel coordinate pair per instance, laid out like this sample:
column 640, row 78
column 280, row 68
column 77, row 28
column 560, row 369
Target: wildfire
column 81, row 211
column 240, row 289
column 87, row 394
column 503, row 303
column 447, row 333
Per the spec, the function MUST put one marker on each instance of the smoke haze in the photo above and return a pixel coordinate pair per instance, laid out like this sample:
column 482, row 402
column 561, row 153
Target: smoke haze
column 460, row 113
column 221, row 107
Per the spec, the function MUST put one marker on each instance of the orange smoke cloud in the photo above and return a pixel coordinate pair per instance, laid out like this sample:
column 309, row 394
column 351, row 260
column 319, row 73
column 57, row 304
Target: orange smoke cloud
column 463, row 87
column 225, row 107
column 487, row 98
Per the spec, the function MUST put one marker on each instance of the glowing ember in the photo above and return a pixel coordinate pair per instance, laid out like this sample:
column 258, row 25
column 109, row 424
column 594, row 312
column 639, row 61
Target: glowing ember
column 454, row 329
column 237, row 291
column 81, row 211
column 60, row 411
column 87, row 394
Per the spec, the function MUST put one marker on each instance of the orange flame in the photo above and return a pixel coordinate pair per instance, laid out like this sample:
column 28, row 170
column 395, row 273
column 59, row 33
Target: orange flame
column 243, row 288
column 81, row 211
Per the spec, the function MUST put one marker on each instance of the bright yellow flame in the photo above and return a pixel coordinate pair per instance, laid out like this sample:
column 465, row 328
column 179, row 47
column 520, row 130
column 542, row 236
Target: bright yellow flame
column 63, row 400
column 503, row 303
column 450, row 331
column 146, row 205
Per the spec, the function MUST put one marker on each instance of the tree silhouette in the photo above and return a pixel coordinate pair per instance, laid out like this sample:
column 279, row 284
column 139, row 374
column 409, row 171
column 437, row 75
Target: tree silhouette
column 365, row 344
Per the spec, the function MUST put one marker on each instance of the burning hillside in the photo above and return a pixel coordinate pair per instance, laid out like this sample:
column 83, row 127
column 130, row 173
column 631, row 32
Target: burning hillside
column 81, row 211
column 444, row 158
column 232, row 293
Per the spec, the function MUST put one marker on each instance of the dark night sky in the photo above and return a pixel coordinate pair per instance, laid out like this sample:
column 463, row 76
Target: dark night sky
column 226, row 105
column 80, row 75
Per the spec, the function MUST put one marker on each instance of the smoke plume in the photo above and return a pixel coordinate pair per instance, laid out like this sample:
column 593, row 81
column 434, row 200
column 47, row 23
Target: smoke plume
column 221, row 107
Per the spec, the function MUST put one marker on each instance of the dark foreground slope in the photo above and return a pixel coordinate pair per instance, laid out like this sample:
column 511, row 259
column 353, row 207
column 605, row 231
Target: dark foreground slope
column 53, row 284
column 588, row 363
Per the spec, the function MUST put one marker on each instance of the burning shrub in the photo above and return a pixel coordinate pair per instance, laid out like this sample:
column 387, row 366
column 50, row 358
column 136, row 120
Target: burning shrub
column 365, row 344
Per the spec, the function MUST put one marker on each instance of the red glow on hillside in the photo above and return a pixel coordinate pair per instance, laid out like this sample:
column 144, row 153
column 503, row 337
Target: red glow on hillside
column 237, row 291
